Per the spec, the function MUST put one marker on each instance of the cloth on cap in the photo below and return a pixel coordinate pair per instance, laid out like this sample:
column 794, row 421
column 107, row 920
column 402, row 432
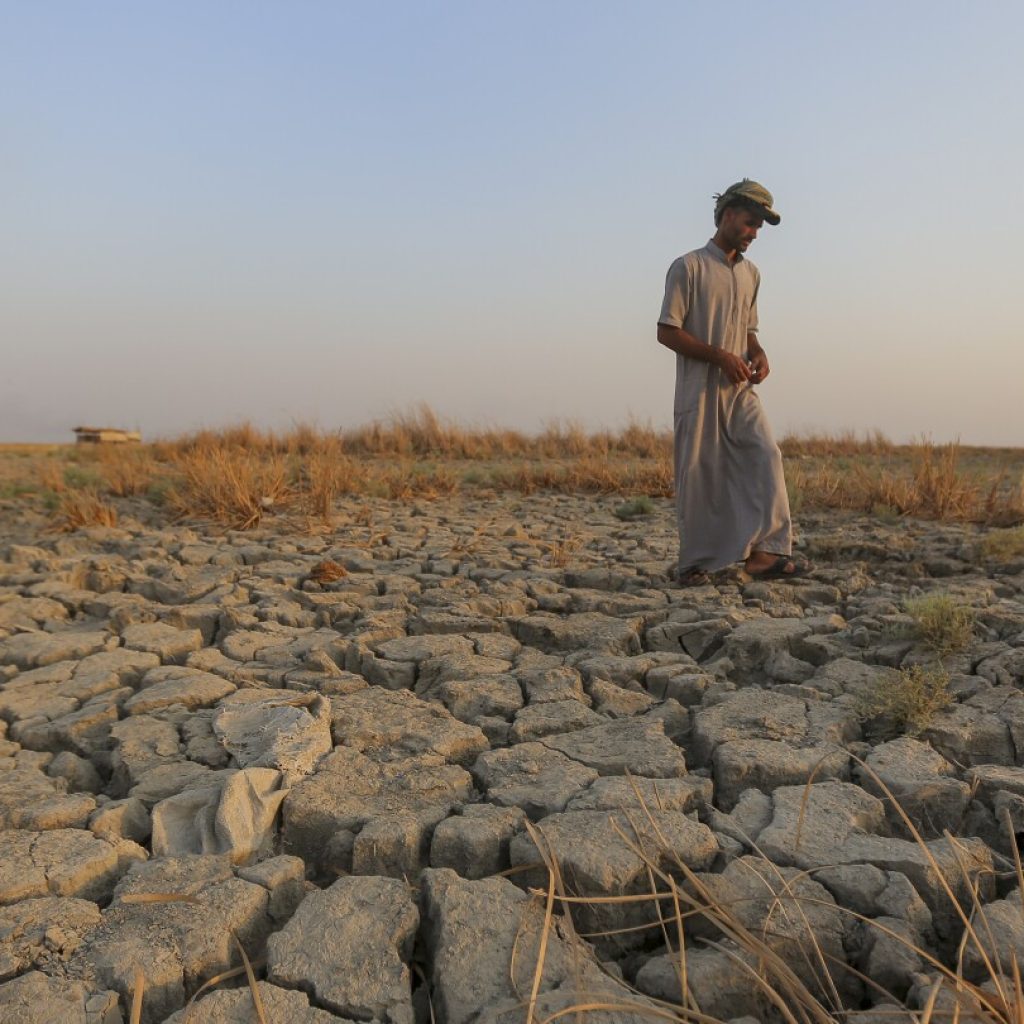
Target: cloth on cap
column 751, row 191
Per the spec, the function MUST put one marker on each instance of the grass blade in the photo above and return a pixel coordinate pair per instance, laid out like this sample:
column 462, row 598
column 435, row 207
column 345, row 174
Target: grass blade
column 140, row 986
column 257, row 999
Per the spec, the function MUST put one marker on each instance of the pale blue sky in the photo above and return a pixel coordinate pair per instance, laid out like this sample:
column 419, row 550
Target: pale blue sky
column 327, row 211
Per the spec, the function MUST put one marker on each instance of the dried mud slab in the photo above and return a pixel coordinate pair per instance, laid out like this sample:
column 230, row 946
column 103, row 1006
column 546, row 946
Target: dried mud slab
column 364, row 772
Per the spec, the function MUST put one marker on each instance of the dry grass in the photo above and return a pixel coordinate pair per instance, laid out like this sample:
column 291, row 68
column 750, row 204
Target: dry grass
column 1003, row 545
column 79, row 509
column 422, row 433
column 831, row 445
column 248, row 968
column 233, row 487
column 797, row 980
column 942, row 623
column 909, row 700
column 560, row 551
column 322, row 476
column 794, row 977
column 923, row 480
column 327, row 572
column 127, row 470
column 240, row 475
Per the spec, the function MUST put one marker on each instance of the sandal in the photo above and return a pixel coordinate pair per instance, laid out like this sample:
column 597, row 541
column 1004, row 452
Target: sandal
column 693, row 578
column 780, row 569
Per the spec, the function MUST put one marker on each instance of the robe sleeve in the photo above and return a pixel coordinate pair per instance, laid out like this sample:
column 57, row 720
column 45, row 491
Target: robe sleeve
column 677, row 294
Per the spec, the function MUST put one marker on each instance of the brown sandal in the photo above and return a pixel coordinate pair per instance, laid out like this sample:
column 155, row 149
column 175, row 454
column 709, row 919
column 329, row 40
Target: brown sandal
column 779, row 570
column 693, row 577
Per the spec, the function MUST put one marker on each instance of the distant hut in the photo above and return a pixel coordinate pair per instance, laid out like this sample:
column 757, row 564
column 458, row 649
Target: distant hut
column 105, row 435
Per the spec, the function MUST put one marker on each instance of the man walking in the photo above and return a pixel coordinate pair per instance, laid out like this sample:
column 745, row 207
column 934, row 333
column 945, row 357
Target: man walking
column 731, row 501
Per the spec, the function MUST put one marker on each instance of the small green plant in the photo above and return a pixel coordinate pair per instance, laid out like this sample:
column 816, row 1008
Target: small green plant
column 78, row 478
column 1003, row 545
column 16, row 490
column 158, row 491
column 943, row 624
column 885, row 513
column 909, row 700
column 635, row 507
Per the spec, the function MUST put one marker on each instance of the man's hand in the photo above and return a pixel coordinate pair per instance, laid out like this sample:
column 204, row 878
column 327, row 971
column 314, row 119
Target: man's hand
column 759, row 368
column 735, row 368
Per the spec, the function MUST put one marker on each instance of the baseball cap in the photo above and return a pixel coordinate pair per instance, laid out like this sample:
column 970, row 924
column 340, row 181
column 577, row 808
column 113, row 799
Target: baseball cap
column 753, row 192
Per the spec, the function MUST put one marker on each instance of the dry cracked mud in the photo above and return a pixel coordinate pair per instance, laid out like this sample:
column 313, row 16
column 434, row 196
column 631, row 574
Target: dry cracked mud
column 352, row 754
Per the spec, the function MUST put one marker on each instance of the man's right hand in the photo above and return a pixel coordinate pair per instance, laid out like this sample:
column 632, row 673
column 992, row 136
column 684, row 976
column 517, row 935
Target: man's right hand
column 734, row 367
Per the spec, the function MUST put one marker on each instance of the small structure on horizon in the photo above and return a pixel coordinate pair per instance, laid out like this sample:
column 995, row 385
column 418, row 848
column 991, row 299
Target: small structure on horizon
column 105, row 435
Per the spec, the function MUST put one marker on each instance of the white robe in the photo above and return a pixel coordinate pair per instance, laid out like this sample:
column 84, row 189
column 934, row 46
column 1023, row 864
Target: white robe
column 730, row 490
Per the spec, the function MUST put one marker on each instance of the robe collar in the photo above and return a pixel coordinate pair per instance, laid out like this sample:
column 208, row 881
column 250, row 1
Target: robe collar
column 717, row 254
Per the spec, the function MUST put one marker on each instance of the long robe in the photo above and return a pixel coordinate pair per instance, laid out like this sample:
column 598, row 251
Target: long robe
column 730, row 490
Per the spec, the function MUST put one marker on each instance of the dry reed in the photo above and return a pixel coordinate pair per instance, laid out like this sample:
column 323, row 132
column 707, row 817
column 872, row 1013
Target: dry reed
column 77, row 510
column 799, row 986
column 237, row 488
column 241, row 474
column 127, row 470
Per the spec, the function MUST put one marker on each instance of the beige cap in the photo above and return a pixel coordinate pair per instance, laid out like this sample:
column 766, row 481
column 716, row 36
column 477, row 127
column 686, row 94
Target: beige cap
column 754, row 193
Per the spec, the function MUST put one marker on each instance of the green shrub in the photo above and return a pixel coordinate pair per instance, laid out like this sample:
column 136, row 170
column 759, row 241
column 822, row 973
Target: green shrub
column 642, row 506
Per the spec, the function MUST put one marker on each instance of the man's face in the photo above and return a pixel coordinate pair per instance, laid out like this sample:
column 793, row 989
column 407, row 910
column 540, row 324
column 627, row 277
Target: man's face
column 739, row 227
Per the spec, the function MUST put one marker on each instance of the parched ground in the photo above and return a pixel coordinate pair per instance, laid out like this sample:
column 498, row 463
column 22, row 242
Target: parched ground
column 334, row 746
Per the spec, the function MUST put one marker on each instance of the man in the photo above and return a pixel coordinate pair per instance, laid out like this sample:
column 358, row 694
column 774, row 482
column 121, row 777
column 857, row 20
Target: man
column 731, row 500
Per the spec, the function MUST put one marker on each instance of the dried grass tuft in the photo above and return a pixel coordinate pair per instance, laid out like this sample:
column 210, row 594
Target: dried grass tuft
column 942, row 623
column 126, row 470
column 909, row 700
column 77, row 510
column 240, row 475
column 229, row 484
column 327, row 572
column 1003, row 545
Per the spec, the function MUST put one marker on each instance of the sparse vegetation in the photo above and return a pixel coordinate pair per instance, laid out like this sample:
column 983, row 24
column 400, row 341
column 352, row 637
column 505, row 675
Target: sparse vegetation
column 844, row 443
column 908, row 700
column 78, row 509
column 885, row 513
column 1002, row 545
column 240, row 475
column 560, row 551
column 80, row 477
column 234, row 487
column 634, row 508
column 126, row 470
column 944, row 624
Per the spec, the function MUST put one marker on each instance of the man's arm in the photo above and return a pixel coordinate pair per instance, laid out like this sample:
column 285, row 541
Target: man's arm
column 685, row 344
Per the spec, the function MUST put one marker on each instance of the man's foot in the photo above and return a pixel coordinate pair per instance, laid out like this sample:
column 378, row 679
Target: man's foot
column 762, row 565
column 693, row 578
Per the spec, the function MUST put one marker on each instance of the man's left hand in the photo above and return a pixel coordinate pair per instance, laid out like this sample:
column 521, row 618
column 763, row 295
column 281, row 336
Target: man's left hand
column 759, row 366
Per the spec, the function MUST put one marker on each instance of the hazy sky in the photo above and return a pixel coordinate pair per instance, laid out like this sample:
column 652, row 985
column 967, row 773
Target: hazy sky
column 328, row 211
